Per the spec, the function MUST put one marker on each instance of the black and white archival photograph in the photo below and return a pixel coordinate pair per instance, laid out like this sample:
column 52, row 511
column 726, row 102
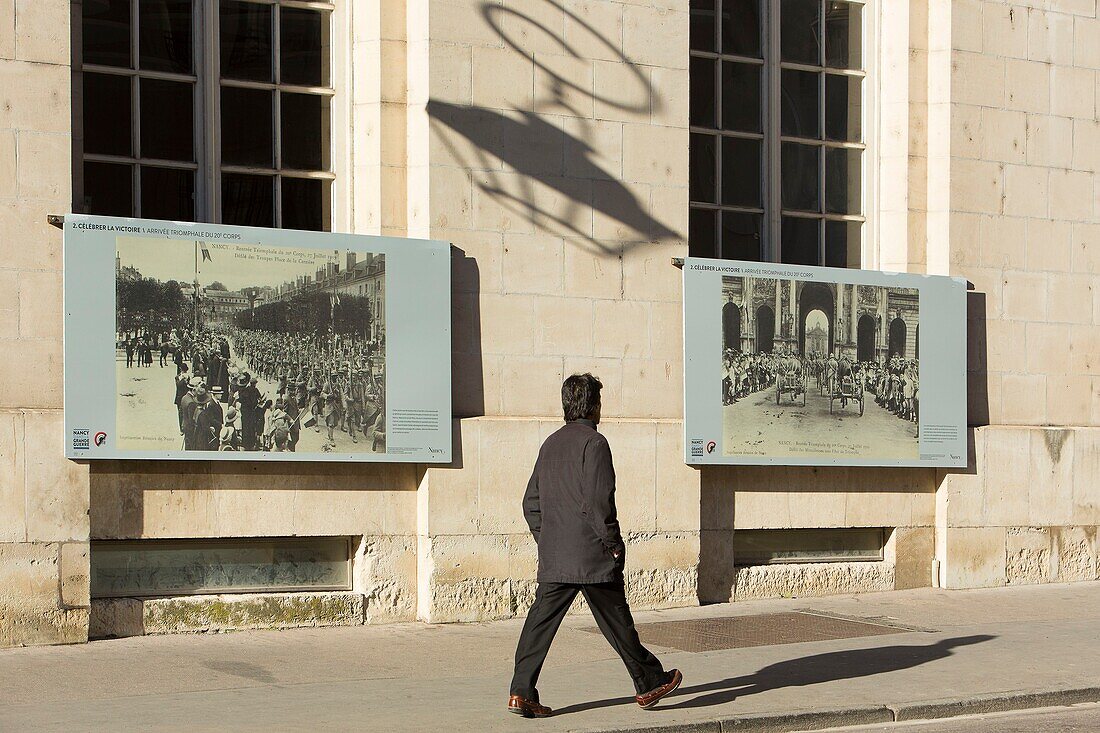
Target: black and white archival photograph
column 245, row 347
column 819, row 369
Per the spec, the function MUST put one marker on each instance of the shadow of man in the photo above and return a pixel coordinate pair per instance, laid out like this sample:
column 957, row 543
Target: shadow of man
column 805, row 671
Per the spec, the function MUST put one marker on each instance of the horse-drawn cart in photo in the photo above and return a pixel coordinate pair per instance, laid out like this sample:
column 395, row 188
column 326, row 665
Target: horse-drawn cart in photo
column 792, row 383
column 847, row 389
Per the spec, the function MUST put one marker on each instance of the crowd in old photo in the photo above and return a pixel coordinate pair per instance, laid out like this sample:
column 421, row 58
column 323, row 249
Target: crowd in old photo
column 244, row 390
column 894, row 382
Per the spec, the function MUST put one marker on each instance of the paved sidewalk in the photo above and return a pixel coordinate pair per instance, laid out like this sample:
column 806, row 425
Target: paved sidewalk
column 980, row 650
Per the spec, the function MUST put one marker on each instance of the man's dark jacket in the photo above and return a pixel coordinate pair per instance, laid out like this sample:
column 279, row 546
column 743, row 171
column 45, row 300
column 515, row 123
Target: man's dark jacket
column 570, row 506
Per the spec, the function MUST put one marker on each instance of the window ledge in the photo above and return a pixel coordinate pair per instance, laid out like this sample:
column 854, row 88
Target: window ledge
column 122, row 617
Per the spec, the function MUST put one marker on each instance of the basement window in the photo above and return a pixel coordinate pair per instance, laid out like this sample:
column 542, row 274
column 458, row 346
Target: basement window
column 776, row 546
column 137, row 568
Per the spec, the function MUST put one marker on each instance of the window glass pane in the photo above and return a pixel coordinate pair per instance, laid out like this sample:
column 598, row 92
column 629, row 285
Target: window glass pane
column 800, row 31
column 167, row 193
column 800, row 104
column 305, row 204
column 304, row 132
column 702, row 233
column 303, row 47
column 740, row 97
column 842, row 244
column 176, row 567
column 800, row 177
column 800, row 240
column 702, row 26
column 842, row 178
column 248, row 200
column 247, row 127
column 702, row 93
column 704, row 166
column 107, row 115
column 167, row 131
column 741, row 27
column 165, row 43
column 105, row 32
column 764, row 546
column 740, row 172
column 108, row 189
column 843, row 108
column 843, row 35
column 245, row 41
column 741, row 234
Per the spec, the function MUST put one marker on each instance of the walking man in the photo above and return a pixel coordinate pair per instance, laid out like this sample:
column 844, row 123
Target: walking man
column 570, row 507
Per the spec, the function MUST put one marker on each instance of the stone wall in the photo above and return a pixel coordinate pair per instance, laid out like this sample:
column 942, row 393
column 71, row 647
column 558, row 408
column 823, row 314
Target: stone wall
column 1025, row 219
column 548, row 141
column 43, row 497
column 477, row 557
column 1028, row 510
column 554, row 157
column 1025, row 230
column 373, row 502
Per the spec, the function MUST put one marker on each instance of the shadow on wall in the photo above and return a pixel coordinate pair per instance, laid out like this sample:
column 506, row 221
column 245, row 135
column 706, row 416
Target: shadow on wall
column 117, row 489
column 977, row 374
column 467, row 368
column 541, row 152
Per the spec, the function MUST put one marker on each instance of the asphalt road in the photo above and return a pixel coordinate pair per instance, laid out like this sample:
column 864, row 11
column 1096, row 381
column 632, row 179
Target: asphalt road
column 755, row 425
column 1076, row 719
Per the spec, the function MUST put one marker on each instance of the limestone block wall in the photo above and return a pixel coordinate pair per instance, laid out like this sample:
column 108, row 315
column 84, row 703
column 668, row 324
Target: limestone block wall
column 1025, row 230
column 759, row 497
column 477, row 558
column 43, row 497
column 375, row 503
column 548, row 140
column 1027, row 512
column 1025, row 215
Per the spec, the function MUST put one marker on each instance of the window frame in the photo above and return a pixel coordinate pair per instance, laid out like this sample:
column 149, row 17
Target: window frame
column 207, row 82
column 226, row 544
column 134, row 74
column 772, row 66
column 794, row 546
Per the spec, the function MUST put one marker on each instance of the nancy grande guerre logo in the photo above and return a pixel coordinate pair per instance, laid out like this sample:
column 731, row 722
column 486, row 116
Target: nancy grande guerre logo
column 81, row 439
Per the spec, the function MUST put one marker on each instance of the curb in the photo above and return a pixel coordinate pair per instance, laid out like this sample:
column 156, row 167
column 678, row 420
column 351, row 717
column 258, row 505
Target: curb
column 807, row 720
column 999, row 703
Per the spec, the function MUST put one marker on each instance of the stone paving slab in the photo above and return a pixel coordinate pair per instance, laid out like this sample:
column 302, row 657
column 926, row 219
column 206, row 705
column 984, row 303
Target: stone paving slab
column 989, row 650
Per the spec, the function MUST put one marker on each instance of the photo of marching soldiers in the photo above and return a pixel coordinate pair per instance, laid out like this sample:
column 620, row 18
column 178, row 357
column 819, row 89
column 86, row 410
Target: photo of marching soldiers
column 247, row 347
column 819, row 369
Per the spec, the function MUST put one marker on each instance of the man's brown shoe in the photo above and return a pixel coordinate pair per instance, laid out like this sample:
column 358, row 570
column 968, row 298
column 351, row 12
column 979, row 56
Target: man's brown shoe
column 651, row 698
column 528, row 708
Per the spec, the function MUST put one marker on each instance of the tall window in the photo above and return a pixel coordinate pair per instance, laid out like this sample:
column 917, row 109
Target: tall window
column 204, row 110
column 776, row 130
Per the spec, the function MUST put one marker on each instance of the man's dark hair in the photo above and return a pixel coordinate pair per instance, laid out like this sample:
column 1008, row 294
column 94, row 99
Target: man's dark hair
column 580, row 396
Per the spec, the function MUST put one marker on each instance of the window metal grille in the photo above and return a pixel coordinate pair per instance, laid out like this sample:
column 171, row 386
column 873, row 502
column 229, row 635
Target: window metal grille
column 204, row 110
column 777, row 147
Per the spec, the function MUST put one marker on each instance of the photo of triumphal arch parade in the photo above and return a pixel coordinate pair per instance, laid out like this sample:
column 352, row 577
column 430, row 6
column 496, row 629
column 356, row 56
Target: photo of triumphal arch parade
column 813, row 368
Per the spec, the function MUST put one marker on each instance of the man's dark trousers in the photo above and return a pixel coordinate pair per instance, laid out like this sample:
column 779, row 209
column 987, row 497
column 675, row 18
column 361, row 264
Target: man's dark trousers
column 609, row 607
